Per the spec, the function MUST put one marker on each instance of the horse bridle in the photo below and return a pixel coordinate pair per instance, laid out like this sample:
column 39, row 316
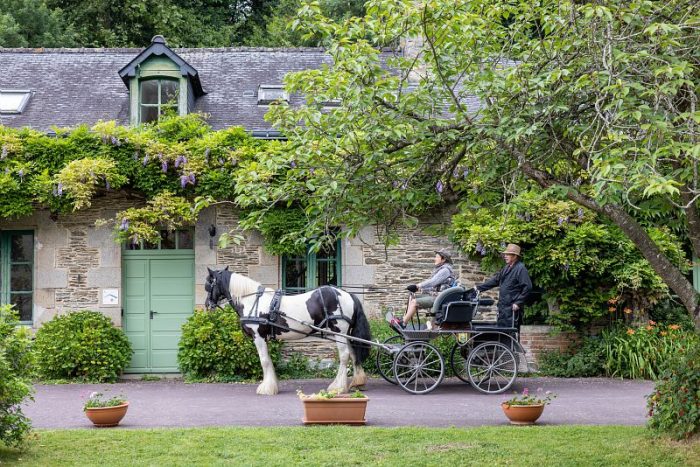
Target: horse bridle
column 215, row 284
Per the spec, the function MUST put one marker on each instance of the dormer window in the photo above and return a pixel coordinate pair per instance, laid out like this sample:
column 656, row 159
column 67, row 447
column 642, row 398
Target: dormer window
column 272, row 94
column 157, row 97
column 159, row 82
column 13, row 101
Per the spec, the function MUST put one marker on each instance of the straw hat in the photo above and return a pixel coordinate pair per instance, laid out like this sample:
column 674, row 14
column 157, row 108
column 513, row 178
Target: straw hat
column 445, row 253
column 512, row 249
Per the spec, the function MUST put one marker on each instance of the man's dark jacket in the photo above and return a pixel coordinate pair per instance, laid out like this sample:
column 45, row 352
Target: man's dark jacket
column 514, row 286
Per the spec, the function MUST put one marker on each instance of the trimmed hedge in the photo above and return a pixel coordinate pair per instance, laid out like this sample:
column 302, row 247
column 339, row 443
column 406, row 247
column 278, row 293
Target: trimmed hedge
column 82, row 345
column 214, row 347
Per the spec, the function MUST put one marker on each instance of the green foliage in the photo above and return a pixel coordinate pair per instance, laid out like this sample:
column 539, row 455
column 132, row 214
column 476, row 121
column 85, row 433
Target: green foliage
column 30, row 23
column 213, row 347
column 496, row 97
column 16, row 361
column 585, row 361
column 98, row 400
column 540, row 397
column 566, row 246
column 170, row 163
column 82, row 345
column 279, row 228
column 643, row 352
column 674, row 406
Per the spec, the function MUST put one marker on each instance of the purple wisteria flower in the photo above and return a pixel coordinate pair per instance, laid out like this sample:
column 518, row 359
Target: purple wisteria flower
column 3, row 153
column 311, row 171
column 136, row 155
column 528, row 217
column 164, row 166
column 180, row 161
column 580, row 213
column 115, row 141
column 566, row 267
column 183, row 181
column 455, row 173
column 520, row 217
column 21, row 173
column 439, row 186
column 191, row 178
column 293, row 164
column 145, row 160
column 479, row 247
column 59, row 189
column 465, row 174
column 125, row 225
column 107, row 185
column 562, row 220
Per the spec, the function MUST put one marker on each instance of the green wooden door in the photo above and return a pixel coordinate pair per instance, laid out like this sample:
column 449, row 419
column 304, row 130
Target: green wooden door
column 158, row 299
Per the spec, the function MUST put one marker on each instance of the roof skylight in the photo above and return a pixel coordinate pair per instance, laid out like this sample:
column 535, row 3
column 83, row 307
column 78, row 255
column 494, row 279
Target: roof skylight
column 13, row 101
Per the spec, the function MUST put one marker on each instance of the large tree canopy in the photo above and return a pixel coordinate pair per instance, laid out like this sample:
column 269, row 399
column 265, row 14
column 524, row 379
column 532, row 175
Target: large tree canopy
column 595, row 102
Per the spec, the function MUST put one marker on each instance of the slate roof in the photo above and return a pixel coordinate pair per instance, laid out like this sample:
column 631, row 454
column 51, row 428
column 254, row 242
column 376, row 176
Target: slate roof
column 75, row 86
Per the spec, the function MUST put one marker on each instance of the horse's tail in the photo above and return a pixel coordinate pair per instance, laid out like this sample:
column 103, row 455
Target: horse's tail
column 359, row 328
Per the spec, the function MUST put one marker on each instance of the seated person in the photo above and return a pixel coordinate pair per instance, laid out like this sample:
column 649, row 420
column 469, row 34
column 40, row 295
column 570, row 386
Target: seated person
column 442, row 278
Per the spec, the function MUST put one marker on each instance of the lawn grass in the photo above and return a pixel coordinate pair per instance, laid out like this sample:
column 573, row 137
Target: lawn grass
column 338, row 446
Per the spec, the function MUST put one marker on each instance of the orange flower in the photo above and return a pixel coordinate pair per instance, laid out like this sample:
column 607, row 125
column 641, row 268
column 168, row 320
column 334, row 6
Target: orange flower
column 611, row 309
column 627, row 310
column 630, row 331
column 649, row 327
column 652, row 323
column 612, row 301
column 675, row 327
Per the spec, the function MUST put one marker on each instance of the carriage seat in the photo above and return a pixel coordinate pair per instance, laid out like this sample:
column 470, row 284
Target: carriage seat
column 456, row 306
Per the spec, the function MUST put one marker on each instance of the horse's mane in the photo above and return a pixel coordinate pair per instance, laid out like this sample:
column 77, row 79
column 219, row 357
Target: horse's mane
column 241, row 285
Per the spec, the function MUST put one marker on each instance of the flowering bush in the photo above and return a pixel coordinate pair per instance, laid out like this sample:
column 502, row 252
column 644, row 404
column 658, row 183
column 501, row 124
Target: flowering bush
column 99, row 400
column 539, row 398
column 642, row 352
column 323, row 394
column 674, row 406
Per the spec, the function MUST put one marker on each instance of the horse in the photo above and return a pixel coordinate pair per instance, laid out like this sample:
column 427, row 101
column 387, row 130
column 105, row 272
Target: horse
column 326, row 307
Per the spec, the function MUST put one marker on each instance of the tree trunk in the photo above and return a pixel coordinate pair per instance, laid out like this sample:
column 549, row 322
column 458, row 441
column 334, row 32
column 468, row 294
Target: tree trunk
column 669, row 273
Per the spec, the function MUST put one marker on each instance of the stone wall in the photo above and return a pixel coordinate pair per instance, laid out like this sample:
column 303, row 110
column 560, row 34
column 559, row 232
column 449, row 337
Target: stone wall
column 537, row 340
column 74, row 259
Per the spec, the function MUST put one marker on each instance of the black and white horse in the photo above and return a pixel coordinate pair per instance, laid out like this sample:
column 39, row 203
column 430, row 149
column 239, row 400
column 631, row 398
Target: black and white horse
column 344, row 309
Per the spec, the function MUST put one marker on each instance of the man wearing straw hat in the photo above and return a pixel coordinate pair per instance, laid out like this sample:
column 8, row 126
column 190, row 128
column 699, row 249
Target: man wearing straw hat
column 514, row 286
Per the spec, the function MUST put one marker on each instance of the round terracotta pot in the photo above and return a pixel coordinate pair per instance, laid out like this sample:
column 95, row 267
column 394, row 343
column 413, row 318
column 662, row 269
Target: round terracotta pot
column 522, row 414
column 107, row 416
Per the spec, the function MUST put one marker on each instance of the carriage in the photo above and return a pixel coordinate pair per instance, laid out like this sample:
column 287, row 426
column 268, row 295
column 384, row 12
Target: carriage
column 483, row 355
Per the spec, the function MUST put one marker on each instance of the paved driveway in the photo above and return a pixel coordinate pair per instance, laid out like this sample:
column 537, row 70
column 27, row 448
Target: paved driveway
column 172, row 403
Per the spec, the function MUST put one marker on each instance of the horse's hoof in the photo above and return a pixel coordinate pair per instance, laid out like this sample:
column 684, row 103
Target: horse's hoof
column 265, row 390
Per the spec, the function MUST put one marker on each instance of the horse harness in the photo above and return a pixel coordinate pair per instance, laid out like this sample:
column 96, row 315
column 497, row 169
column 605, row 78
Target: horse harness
column 274, row 312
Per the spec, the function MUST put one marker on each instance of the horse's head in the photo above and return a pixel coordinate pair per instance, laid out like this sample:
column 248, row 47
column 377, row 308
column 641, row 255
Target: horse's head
column 215, row 288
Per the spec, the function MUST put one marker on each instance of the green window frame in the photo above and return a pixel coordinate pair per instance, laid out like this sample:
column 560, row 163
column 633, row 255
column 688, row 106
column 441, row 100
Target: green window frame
column 17, row 272
column 156, row 96
column 306, row 272
column 181, row 239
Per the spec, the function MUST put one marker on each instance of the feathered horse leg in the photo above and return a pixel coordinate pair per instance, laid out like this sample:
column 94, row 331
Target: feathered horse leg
column 269, row 386
column 340, row 383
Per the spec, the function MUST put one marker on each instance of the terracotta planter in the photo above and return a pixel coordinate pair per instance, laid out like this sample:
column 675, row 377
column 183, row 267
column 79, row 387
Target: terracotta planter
column 523, row 414
column 343, row 410
column 107, row 416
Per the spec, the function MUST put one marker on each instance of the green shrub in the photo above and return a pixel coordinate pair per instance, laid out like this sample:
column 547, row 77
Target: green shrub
column 82, row 345
column 15, row 368
column 586, row 361
column 214, row 347
column 674, row 406
column 642, row 352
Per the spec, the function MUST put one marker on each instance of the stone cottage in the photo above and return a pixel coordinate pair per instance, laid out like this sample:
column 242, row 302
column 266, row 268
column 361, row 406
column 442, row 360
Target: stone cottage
column 50, row 265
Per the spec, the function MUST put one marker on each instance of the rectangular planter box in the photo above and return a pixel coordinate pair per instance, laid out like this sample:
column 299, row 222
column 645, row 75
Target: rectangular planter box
column 343, row 410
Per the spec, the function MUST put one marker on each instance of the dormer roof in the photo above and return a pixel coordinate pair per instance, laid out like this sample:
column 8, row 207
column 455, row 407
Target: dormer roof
column 158, row 47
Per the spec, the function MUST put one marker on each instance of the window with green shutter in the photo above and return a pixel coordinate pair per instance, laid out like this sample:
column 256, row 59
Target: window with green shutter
column 305, row 272
column 17, row 271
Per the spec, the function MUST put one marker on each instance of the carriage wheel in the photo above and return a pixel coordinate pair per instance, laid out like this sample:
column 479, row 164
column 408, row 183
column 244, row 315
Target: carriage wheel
column 458, row 361
column 492, row 367
column 419, row 367
column 385, row 360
